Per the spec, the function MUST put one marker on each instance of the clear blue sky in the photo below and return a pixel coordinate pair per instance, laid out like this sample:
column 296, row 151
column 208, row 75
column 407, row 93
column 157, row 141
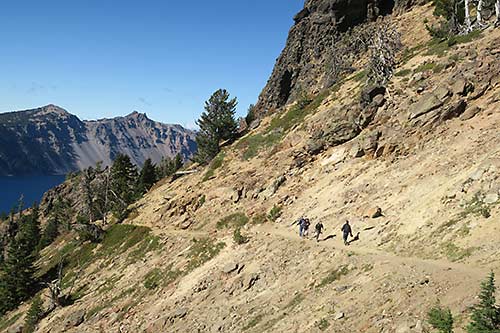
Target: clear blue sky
column 103, row 58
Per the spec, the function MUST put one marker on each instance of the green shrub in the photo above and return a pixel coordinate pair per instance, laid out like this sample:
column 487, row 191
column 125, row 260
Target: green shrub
column 441, row 319
column 153, row 278
column 253, row 322
column 202, row 251
column 455, row 253
column 259, row 219
column 334, row 275
column 403, row 72
column 275, row 213
column 214, row 165
column 237, row 220
column 323, row 324
column 238, row 237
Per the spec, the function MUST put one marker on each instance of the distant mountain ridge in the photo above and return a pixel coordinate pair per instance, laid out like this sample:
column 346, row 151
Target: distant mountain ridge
column 50, row 140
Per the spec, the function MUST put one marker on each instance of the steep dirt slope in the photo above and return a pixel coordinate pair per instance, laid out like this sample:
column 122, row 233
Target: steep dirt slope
column 429, row 159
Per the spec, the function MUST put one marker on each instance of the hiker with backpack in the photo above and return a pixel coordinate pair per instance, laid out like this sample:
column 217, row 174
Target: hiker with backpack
column 306, row 225
column 346, row 231
column 319, row 229
column 301, row 223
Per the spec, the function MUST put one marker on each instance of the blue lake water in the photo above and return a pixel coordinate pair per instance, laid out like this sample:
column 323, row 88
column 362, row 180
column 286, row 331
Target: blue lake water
column 31, row 187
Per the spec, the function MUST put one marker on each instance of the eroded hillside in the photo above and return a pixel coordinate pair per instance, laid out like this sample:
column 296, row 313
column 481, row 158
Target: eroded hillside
column 428, row 155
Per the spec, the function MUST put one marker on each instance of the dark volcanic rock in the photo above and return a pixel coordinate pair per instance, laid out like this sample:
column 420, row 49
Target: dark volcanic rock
column 49, row 140
column 311, row 43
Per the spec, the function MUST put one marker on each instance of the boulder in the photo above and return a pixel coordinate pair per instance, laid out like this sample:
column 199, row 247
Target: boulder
column 491, row 198
column 19, row 328
column 250, row 280
column 378, row 100
column 425, row 104
column 339, row 315
column 458, row 88
column 340, row 132
column 370, row 142
column 470, row 113
column 454, row 110
column 229, row 268
column 373, row 212
column 442, row 93
column 356, row 151
column 369, row 93
column 74, row 319
column 273, row 188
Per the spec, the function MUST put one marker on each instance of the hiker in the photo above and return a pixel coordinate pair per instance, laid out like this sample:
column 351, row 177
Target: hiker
column 346, row 231
column 319, row 229
column 300, row 222
column 307, row 223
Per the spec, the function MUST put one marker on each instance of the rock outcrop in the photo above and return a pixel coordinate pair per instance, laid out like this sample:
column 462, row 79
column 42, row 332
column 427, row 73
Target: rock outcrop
column 301, row 67
column 49, row 140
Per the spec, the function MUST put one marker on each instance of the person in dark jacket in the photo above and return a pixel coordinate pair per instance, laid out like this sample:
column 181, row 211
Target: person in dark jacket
column 319, row 229
column 346, row 231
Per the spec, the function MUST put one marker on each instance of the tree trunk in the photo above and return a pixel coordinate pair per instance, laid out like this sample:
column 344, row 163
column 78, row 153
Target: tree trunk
column 497, row 11
column 478, row 14
column 468, row 24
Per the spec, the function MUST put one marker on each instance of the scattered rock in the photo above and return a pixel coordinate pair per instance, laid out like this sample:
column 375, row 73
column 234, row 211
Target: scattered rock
column 179, row 313
column 273, row 188
column 490, row 198
column 338, row 316
column 425, row 281
column 19, row 328
column 250, row 280
column 342, row 288
column 229, row 268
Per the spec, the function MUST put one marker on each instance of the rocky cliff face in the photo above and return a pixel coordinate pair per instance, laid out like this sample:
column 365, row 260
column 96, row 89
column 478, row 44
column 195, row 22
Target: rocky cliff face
column 49, row 140
column 303, row 66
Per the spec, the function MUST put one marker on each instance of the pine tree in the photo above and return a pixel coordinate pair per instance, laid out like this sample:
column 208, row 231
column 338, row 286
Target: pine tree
column 147, row 177
column 216, row 123
column 17, row 282
column 485, row 316
column 177, row 162
column 33, row 316
column 123, row 183
column 441, row 319
column 30, row 228
column 49, row 234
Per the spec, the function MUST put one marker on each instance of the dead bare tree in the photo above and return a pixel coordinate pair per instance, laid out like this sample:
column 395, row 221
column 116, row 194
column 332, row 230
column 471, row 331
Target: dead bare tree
column 384, row 45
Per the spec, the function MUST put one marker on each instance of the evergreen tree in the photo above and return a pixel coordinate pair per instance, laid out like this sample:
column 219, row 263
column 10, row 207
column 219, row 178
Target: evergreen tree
column 17, row 282
column 50, row 233
column 485, row 316
column 123, row 181
column 147, row 177
column 30, row 228
column 251, row 116
column 441, row 319
column 216, row 123
column 177, row 162
column 34, row 315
